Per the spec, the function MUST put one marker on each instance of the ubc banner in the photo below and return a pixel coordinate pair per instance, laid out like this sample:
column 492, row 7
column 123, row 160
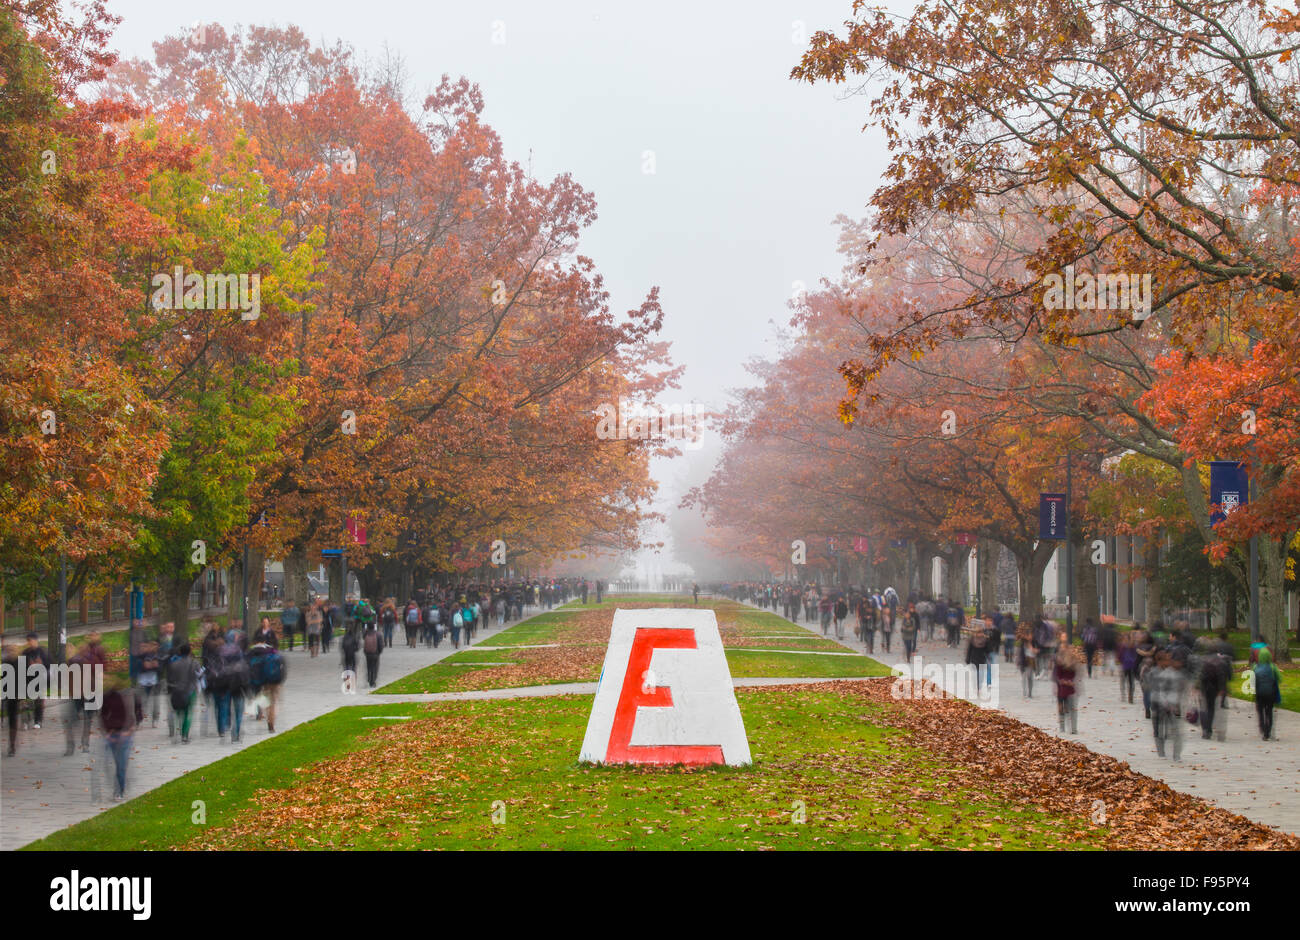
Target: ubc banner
column 1229, row 488
column 1051, row 516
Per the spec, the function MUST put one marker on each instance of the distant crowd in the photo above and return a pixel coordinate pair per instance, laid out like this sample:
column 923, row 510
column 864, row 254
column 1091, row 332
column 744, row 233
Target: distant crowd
column 1183, row 677
column 226, row 674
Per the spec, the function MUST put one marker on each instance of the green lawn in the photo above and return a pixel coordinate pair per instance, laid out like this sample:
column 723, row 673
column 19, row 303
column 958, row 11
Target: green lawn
column 825, row 776
column 746, row 664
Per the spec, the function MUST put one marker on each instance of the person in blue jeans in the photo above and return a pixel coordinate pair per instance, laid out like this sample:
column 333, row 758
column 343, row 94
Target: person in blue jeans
column 229, row 688
column 117, row 717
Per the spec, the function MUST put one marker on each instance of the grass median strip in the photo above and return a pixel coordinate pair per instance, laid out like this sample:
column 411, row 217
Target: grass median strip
column 825, row 776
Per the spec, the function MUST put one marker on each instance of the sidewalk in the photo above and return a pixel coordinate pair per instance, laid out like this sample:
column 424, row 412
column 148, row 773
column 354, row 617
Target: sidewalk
column 41, row 790
column 1258, row 779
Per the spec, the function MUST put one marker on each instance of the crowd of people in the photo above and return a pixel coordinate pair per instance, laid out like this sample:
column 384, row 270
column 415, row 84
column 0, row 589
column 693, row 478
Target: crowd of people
column 1183, row 678
column 226, row 675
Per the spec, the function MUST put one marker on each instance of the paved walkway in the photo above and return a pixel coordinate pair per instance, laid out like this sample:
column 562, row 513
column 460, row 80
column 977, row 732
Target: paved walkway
column 1258, row 779
column 41, row 790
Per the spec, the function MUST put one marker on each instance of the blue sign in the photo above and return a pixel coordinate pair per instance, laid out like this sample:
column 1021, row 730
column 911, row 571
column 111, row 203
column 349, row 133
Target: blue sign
column 898, row 543
column 1052, row 516
column 1229, row 488
column 331, row 551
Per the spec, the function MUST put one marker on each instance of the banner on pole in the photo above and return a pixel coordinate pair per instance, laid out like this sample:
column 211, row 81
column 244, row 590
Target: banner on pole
column 1229, row 488
column 1051, row 516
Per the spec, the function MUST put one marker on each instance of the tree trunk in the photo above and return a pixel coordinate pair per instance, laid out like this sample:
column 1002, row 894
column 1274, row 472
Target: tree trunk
column 1151, row 573
column 176, row 605
column 53, row 642
column 955, row 577
column 989, row 554
column 1085, row 583
column 239, row 589
column 1030, row 570
column 1272, row 598
column 1230, row 607
column 295, row 576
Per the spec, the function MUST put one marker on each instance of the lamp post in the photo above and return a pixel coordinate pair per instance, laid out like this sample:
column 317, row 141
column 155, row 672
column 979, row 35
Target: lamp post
column 1069, row 547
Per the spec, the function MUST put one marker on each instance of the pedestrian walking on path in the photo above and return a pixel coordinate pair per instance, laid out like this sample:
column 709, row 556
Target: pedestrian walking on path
column 1268, row 691
column 372, row 645
column 182, row 690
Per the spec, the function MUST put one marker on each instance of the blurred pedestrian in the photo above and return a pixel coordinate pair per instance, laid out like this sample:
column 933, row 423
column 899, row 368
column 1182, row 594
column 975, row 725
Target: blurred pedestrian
column 1065, row 675
column 117, row 717
column 372, row 645
column 1268, row 691
column 182, row 691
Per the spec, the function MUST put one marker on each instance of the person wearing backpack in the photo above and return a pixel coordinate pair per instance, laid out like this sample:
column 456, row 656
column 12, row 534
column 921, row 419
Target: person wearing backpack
column 182, row 689
column 841, row 611
column 1268, row 692
column 210, row 663
column 412, row 618
column 372, row 644
column 266, row 672
column 457, row 622
column 388, row 620
column 230, row 686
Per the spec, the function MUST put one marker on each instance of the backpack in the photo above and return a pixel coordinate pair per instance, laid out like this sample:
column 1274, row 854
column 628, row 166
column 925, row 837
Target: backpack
column 273, row 668
column 371, row 643
column 952, row 616
column 457, row 621
column 1266, row 689
column 234, row 673
column 412, row 616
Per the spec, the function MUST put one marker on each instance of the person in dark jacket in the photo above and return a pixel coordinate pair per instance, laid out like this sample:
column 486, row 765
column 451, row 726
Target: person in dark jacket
column 349, row 647
column 372, row 644
column 1065, row 673
column 977, row 655
column 34, row 653
column 182, row 689
column 1215, row 671
column 117, row 717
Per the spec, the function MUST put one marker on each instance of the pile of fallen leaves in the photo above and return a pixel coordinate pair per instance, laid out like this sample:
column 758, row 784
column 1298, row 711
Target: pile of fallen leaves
column 534, row 667
column 1028, row 766
column 574, row 653
column 382, row 786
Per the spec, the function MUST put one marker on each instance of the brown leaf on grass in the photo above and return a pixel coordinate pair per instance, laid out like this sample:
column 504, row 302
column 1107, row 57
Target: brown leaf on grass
column 1027, row 766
